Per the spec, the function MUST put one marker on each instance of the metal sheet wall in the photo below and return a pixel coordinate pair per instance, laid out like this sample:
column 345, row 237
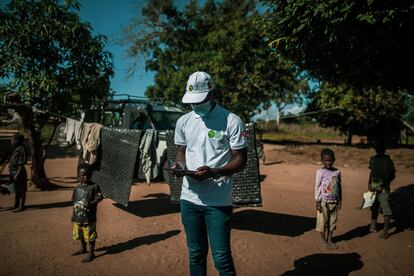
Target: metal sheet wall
column 119, row 154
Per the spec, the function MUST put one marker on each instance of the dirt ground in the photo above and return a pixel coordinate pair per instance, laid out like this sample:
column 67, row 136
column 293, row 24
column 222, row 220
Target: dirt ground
column 279, row 238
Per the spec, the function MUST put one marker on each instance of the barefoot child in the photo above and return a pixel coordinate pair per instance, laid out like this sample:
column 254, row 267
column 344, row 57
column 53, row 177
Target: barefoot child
column 380, row 177
column 328, row 197
column 86, row 197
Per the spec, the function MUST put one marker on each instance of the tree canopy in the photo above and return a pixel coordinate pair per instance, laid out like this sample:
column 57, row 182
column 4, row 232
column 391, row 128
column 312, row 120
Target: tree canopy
column 219, row 38
column 365, row 44
column 49, row 56
column 367, row 112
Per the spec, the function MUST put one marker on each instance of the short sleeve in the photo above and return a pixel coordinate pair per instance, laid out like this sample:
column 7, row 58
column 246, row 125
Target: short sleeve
column 237, row 133
column 179, row 135
column 21, row 158
column 391, row 166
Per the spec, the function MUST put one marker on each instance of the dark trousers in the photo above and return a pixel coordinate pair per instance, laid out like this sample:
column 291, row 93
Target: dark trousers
column 205, row 224
column 20, row 199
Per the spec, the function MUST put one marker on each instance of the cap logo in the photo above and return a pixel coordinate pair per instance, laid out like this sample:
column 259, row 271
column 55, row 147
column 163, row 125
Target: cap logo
column 211, row 133
column 190, row 88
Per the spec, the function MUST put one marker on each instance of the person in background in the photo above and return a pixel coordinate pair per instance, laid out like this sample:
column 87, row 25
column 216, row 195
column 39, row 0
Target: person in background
column 212, row 142
column 328, row 196
column 382, row 172
column 18, row 174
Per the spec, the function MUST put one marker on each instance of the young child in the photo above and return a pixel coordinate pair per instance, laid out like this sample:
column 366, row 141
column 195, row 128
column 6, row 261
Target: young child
column 86, row 197
column 382, row 173
column 328, row 197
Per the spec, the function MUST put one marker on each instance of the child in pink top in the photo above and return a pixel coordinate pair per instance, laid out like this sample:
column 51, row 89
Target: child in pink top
column 328, row 197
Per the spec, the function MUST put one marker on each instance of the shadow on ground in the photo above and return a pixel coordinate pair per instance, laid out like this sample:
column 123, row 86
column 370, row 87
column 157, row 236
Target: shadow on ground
column 402, row 205
column 68, row 179
column 272, row 223
column 357, row 232
column 55, row 151
column 159, row 204
column 131, row 244
column 50, row 205
column 327, row 264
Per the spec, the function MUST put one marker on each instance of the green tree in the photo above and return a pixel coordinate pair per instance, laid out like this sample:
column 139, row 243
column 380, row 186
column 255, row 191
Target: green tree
column 219, row 38
column 52, row 62
column 365, row 43
column 370, row 112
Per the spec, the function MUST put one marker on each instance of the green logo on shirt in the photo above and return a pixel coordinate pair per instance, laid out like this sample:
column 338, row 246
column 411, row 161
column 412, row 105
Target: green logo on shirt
column 215, row 134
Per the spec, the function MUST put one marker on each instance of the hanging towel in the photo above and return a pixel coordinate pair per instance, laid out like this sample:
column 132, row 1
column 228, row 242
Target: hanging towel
column 73, row 131
column 148, row 156
column 90, row 140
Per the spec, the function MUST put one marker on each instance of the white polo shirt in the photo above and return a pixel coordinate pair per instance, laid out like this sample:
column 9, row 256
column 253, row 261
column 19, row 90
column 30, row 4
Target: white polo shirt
column 209, row 141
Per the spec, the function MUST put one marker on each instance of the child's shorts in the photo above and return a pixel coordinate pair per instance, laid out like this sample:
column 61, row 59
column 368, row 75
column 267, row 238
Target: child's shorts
column 86, row 232
column 328, row 216
column 382, row 201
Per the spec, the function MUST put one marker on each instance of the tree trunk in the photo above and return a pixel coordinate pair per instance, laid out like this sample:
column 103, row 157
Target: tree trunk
column 277, row 118
column 38, row 178
column 38, row 174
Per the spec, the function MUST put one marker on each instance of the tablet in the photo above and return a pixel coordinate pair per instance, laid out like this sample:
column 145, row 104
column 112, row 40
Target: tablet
column 182, row 171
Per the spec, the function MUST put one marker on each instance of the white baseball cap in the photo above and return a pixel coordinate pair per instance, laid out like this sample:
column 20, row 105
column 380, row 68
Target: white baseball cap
column 199, row 84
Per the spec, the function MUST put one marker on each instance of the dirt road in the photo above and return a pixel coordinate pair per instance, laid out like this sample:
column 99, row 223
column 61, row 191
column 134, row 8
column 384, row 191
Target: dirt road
column 147, row 238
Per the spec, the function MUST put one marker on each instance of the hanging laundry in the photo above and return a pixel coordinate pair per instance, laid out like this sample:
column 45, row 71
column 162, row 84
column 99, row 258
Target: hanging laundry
column 117, row 163
column 90, row 140
column 148, row 150
column 73, row 131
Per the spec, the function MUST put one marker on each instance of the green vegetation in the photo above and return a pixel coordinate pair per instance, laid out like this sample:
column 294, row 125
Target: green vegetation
column 221, row 38
column 360, row 52
column 367, row 112
column 304, row 132
column 363, row 44
column 50, row 60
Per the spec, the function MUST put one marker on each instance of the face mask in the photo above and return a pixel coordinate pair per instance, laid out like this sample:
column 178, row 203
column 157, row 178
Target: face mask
column 201, row 109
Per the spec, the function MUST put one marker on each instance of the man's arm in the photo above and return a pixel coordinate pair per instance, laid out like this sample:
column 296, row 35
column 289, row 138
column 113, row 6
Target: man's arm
column 237, row 163
column 179, row 162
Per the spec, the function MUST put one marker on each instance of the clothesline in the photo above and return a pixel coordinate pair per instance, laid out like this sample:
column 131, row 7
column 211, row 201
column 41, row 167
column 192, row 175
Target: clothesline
column 310, row 112
column 51, row 113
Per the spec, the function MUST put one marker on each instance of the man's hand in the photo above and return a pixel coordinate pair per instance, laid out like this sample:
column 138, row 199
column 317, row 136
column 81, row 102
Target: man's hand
column 319, row 206
column 203, row 173
column 177, row 165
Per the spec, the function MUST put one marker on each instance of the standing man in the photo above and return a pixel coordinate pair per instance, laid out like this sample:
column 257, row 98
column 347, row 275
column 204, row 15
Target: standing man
column 18, row 174
column 212, row 142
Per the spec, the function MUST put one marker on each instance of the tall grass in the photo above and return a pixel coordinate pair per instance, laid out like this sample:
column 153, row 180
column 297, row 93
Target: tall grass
column 303, row 131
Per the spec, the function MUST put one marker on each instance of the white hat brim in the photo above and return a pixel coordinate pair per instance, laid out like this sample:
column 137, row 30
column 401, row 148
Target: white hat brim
column 191, row 97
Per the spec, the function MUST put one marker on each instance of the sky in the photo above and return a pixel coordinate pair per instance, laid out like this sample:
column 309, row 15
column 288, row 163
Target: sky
column 107, row 17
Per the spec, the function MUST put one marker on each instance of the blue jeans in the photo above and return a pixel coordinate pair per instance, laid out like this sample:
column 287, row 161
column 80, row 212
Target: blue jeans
column 213, row 222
